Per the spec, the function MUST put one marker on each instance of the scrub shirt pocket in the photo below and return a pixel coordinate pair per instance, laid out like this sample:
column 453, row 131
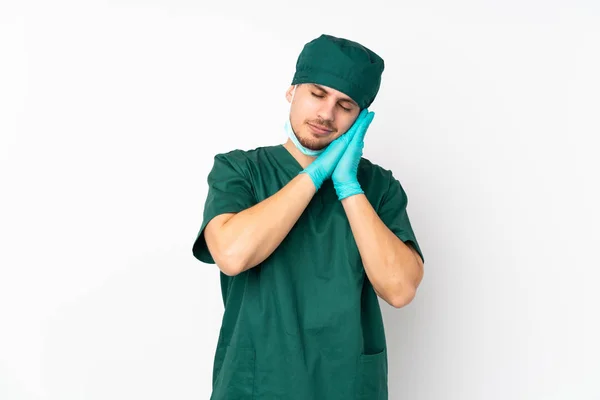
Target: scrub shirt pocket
column 234, row 373
column 371, row 379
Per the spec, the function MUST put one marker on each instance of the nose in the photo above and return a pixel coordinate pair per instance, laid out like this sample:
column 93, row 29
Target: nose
column 326, row 112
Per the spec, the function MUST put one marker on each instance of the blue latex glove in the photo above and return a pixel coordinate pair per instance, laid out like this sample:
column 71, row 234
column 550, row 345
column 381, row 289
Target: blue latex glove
column 322, row 167
column 344, row 175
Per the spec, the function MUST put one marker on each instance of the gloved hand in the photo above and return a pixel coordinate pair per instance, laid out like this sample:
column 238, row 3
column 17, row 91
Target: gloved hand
column 344, row 175
column 322, row 167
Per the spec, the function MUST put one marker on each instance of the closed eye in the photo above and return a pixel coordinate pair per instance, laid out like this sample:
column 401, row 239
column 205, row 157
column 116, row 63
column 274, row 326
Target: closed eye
column 320, row 97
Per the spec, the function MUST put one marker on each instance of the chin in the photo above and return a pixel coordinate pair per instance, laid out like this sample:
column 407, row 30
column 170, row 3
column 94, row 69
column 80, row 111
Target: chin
column 314, row 146
column 314, row 143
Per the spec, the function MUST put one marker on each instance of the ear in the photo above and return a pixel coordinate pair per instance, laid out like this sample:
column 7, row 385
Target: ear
column 288, row 93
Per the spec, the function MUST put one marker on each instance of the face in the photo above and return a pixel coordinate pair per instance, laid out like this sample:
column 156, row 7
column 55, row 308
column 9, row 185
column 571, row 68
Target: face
column 320, row 114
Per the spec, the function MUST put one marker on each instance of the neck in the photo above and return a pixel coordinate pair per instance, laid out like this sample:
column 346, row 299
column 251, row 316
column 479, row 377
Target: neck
column 302, row 158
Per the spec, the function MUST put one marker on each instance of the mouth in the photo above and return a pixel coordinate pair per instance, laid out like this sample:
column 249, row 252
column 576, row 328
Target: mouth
column 319, row 129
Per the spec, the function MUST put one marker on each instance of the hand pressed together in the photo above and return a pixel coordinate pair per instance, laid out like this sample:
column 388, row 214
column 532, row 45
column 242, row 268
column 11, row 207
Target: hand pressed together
column 344, row 176
column 322, row 167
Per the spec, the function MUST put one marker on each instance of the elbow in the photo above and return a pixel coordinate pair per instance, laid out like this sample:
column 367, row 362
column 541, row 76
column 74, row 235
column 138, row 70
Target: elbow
column 229, row 261
column 229, row 269
column 405, row 291
column 226, row 253
column 231, row 264
column 402, row 297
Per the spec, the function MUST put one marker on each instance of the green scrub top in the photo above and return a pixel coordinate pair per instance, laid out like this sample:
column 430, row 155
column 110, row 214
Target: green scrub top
column 304, row 324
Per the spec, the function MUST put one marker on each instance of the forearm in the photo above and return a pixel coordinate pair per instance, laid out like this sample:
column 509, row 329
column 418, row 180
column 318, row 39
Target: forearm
column 250, row 236
column 391, row 266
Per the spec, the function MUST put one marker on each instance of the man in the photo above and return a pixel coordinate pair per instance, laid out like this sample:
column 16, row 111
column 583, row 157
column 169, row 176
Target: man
column 307, row 234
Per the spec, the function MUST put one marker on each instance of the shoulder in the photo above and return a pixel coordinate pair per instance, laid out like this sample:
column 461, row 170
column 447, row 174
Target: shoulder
column 243, row 158
column 381, row 185
column 374, row 172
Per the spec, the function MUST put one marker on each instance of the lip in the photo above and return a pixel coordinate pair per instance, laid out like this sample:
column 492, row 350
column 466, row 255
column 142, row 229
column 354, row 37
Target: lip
column 321, row 131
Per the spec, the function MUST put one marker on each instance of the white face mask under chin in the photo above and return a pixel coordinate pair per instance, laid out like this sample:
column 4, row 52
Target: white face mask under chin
column 290, row 132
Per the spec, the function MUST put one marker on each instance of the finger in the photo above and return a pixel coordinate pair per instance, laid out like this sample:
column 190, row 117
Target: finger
column 356, row 125
column 364, row 126
column 342, row 142
column 359, row 119
column 347, row 137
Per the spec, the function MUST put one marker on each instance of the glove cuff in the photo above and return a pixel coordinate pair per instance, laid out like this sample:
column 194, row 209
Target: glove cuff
column 314, row 176
column 347, row 189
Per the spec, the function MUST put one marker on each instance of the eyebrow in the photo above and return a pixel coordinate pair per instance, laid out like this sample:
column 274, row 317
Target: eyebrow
column 342, row 99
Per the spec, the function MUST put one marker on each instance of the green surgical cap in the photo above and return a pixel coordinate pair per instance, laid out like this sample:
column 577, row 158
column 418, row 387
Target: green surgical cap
column 343, row 65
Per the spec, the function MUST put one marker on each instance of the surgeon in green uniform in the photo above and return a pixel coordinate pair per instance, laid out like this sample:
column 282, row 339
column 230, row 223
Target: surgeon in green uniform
column 307, row 234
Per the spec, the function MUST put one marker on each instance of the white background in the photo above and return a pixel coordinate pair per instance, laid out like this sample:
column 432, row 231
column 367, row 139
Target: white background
column 111, row 113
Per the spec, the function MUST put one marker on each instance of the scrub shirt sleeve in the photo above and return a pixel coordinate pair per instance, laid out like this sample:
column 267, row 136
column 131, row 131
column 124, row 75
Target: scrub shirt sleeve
column 394, row 215
column 229, row 191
